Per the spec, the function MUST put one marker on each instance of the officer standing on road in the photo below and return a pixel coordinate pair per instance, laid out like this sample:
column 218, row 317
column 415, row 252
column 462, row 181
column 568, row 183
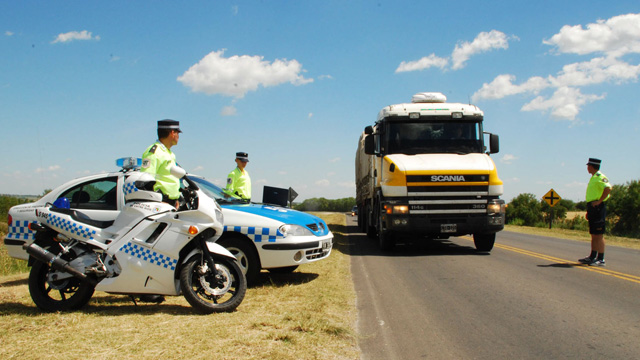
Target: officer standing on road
column 598, row 191
column 238, row 180
column 158, row 160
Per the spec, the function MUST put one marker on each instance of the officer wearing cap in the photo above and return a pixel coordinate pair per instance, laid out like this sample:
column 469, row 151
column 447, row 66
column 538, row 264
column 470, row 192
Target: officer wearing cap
column 238, row 180
column 158, row 160
column 598, row 191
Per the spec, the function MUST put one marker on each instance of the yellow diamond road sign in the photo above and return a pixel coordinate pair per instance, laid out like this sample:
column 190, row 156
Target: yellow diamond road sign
column 552, row 198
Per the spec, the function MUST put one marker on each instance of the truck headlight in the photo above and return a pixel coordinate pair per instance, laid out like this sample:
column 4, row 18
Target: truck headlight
column 294, row 230
column 495, row 207
column 396, row 209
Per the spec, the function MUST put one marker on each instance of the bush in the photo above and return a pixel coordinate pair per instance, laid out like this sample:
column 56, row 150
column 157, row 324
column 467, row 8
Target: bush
column 624, row 204
column 322, row 204
column 526, row 208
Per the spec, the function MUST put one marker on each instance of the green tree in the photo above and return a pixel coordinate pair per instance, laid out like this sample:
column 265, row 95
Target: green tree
column 559, row 211
column 322, row 204
column 524, row 209
column 624, row 204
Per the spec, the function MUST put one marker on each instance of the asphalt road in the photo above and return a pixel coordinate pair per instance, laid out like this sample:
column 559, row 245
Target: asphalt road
column 528, row 299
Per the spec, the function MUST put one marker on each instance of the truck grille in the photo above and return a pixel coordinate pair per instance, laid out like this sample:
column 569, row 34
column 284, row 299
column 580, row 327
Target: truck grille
column 444, row 190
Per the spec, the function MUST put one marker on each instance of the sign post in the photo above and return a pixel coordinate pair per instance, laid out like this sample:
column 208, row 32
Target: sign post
column 292, row 195
column 552, row 198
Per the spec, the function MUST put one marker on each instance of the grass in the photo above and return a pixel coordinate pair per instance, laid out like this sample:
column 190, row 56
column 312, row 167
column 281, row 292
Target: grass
column 575, row 235
column 309, row 314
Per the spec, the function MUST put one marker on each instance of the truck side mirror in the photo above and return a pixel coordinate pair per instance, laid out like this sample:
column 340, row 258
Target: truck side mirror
column 369, row 145
column 494, row 144
column 368, row 130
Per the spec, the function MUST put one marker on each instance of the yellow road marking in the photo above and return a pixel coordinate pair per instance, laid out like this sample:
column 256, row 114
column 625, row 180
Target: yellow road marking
column 601, row 270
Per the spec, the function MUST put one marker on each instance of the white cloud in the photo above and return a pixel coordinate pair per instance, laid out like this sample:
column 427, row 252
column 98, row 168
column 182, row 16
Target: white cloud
column 596, row 71
column 334, row 160
column 198, row 168
column 485, row 41
column 424, row 63
column 616, row 36
column 503, row 86
column 323, row 183
column 229, row 111
column 310, row 116
column 463, row 51
column 565, row 103
column 75, row 35
column 237, row 75
column 508, row 158
column 8, row 33
column 48, row 169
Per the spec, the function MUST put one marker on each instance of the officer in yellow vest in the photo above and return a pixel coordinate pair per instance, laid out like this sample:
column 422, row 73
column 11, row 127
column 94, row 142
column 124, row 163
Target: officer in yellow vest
column 238, row 180
column 158, row 160
column 598, row 191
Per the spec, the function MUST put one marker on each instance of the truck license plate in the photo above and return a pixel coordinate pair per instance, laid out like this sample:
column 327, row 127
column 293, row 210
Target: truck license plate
column 448, row 228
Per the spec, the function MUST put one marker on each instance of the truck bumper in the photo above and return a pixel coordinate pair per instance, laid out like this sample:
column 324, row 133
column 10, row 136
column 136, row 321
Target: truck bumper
column 443, row 226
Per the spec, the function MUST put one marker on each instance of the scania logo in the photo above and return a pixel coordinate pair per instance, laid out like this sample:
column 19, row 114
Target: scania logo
column 447, row 178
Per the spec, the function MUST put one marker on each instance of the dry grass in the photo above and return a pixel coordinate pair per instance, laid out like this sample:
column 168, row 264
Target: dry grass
column 575, row 235
column 309, row 314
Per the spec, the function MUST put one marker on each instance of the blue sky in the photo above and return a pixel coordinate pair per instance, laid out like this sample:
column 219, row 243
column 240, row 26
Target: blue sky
column 293, row 83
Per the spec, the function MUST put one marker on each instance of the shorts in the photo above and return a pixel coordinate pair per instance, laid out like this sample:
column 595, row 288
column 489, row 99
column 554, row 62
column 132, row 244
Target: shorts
column 596, row 216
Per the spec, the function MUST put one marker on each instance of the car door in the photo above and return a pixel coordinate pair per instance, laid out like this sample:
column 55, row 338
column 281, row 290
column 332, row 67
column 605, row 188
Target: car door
column 100, row 199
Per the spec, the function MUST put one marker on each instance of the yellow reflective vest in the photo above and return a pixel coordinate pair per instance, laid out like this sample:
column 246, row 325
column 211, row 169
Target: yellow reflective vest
column 239, row 183
column 158, row 160
column 596, row 186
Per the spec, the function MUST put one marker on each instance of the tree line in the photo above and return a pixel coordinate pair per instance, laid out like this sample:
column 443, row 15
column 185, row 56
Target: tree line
column 322, row 204
column 623, row 211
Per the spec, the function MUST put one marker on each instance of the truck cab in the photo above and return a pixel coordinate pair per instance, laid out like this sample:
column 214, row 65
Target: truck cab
column 423, row 169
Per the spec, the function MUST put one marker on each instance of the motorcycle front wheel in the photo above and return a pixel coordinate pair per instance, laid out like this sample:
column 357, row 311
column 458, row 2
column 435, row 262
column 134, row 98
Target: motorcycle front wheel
column 213, row 290
column 57, row 295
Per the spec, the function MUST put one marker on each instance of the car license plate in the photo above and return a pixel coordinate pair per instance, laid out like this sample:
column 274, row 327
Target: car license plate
column 448, row 228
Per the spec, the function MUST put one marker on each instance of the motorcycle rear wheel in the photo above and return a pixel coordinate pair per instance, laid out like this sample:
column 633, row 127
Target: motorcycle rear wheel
column 216, row 291
column 60, row 295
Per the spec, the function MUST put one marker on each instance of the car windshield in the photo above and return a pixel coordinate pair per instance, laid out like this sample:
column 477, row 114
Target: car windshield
column 215, row 192
column 434, row 137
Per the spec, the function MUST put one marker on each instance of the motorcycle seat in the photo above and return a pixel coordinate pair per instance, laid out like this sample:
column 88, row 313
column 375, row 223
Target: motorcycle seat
column 83, row 218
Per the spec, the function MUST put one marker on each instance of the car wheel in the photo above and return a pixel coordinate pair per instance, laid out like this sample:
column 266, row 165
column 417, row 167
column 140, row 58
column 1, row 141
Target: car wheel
column 246, row 254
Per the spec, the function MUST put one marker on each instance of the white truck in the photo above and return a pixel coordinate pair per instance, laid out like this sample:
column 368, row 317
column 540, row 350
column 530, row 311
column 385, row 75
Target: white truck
column 423, row 171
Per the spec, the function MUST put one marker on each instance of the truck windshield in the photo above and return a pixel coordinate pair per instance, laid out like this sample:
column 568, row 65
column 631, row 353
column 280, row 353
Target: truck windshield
column 433, row 137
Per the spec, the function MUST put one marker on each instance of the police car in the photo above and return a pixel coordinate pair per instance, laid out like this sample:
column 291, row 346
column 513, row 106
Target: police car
column 261, row 236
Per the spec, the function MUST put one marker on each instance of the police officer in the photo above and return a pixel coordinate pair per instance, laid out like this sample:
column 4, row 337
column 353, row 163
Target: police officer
column 158, row 160
column 598, row 191
column 238, row 180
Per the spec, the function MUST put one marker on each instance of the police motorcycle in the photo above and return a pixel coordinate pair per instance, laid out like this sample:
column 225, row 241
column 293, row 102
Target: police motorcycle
column 150, row 248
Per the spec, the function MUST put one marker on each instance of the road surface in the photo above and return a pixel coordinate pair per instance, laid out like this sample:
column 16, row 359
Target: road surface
column 528, row 299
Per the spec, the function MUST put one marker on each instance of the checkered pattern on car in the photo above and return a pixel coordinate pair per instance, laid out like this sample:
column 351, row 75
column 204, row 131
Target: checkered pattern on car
column 20, row 230
column 149, row 255
column 128, row 188
column 257, row 234
column 82, row 230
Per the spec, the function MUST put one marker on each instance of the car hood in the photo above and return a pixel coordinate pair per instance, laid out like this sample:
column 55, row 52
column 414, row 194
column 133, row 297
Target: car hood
column 287, row 216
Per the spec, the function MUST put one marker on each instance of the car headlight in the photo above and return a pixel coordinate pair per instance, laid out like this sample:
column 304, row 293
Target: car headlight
column 294, row 230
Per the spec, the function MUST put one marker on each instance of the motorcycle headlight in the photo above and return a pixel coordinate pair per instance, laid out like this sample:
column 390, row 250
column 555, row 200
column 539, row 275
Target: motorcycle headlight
column 294, row 230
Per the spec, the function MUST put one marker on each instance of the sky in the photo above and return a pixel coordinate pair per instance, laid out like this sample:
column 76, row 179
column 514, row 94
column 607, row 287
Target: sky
column 294, row 83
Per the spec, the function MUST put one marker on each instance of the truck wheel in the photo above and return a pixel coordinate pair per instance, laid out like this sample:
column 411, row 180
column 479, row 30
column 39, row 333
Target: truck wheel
column 370, row 230
column 484, row 242
column 386, row 240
